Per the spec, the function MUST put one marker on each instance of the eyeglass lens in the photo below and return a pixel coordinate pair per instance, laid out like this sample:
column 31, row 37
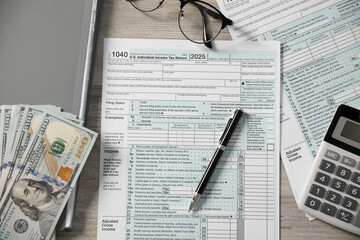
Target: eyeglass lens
column 199, row 22
column 146, row 5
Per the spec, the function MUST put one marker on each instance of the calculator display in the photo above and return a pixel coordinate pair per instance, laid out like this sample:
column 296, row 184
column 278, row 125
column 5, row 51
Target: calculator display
column 347, row 131
column 351, row 131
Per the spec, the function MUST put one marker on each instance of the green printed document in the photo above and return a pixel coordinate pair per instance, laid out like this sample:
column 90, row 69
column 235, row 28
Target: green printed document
column 165, row 105
column 320, row 68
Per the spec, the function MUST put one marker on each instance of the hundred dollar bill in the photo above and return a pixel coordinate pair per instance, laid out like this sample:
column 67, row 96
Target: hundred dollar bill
column 23, row 133
column 26, row 128
column 4, row 128
column 15, row 119
column 48, row 171
column 17, row 115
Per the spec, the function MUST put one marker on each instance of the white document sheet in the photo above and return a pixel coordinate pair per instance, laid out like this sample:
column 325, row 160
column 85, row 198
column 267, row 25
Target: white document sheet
column 165, row 104
column 320, row 67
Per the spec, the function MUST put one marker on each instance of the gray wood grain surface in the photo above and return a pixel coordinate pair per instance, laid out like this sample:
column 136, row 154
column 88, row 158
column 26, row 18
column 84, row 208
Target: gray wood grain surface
column 118, row 19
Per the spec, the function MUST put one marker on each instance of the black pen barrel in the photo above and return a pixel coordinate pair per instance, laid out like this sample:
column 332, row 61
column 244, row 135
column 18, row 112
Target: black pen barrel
column 223, row 141
column 209, row 171
column 229, row 131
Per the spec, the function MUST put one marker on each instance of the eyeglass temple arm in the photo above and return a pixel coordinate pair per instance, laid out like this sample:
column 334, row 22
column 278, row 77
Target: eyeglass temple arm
column 216, row 15
column 226, row 21
column 206, row 35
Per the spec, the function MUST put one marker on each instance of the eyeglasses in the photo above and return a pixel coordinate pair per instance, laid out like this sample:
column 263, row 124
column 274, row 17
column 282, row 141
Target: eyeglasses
column 199, row 22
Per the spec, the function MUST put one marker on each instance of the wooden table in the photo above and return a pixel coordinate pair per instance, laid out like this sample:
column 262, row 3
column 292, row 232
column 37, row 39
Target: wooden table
column 118, row 19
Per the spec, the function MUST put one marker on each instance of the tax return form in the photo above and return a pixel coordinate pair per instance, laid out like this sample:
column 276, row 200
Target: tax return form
column 320, row 67
column 165, row 104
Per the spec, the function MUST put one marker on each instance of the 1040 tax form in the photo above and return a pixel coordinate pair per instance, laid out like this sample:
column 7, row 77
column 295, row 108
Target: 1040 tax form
column 165, row 104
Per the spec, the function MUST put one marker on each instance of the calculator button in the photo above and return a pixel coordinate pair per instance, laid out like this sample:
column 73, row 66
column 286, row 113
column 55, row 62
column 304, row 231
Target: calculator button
column 338, row 185
column 312, row 203
column 322, row 178
column 332, row 155
column 328, row 209
column 327, row 166
column 317, row 190
column 333, row 197
column 353, row 191
column 343, row 172
column 348, row 161
column 356, row 178
column 344, row 216
column 349, row 203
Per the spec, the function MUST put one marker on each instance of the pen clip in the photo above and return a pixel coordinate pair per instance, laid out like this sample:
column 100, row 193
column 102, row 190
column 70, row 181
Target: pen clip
column 225, row 130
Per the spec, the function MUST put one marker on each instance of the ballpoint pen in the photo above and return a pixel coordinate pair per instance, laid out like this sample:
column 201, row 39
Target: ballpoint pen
column 223, row 141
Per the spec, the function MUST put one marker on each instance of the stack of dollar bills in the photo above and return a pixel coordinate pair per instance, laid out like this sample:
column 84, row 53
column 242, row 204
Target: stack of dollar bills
column 43, row 151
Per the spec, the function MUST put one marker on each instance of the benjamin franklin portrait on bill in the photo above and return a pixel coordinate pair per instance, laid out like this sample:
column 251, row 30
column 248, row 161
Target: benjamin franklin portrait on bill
column 37, row 201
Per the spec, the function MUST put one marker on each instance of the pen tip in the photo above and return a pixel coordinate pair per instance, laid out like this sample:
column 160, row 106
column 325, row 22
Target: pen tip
column 191, row 206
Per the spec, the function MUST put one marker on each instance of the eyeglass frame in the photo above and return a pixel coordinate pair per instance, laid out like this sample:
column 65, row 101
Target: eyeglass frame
column 225, row 21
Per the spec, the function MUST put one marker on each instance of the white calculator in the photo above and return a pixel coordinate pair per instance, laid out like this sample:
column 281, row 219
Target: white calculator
column 332, row 190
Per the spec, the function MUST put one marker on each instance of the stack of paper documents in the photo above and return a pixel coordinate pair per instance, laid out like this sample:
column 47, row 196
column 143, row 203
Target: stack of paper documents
column 42, row 153
column 320, row 67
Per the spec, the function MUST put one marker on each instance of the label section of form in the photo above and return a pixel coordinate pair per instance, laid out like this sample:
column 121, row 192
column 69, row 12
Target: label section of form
column 163, row 112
